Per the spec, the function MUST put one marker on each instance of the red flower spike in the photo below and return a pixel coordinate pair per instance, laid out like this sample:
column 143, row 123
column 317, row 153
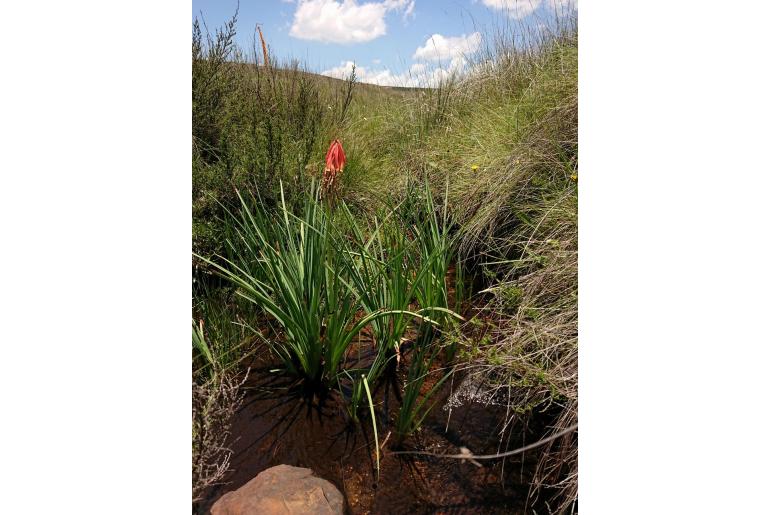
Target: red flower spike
column 335, row 162
column 335, row 157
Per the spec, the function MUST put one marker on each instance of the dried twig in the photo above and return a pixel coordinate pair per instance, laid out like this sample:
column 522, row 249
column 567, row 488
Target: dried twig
column 469, row 456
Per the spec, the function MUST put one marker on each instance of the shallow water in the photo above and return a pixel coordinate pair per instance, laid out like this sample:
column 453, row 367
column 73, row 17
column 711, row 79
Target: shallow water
column 279, row 423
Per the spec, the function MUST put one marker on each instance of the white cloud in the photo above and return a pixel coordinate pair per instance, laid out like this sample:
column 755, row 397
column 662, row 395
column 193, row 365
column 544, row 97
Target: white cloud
column 439, row 58
column 514, row 8
column 383, row 77
column 409, row 11
column 398, row 4
column 447, row 47
column 344, row 21
column 418, row 68
column 453, row 50
column 419, row 75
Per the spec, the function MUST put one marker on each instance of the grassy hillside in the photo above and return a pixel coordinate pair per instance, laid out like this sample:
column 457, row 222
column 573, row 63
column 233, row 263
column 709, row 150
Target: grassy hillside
column 504, row 143
column 498, row 150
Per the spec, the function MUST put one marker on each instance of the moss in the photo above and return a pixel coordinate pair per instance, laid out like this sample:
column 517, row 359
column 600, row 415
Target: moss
column 510, row 295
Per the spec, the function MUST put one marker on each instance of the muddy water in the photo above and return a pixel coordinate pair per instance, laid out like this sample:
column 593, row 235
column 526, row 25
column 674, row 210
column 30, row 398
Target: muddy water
column 280, row 423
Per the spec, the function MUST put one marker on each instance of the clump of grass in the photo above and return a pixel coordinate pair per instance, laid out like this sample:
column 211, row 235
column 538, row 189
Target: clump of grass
column 299, row 284
column 535, row 340
column 437, row 251
column 311, row 283
column 410, row 261
column 403, row 260
column 383, row 266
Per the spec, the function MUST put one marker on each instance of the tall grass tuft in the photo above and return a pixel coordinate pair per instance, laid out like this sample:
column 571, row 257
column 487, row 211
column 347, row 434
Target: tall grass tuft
column 305, row 282
column 399, row 261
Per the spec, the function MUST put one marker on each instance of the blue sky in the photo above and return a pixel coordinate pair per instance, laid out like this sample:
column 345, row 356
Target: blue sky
column 392, row 42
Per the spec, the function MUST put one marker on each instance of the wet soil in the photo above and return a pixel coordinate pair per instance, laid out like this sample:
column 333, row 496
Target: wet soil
column 282, row 423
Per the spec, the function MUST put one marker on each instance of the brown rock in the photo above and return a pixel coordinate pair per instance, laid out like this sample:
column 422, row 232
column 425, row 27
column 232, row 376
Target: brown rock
column 282, row 490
